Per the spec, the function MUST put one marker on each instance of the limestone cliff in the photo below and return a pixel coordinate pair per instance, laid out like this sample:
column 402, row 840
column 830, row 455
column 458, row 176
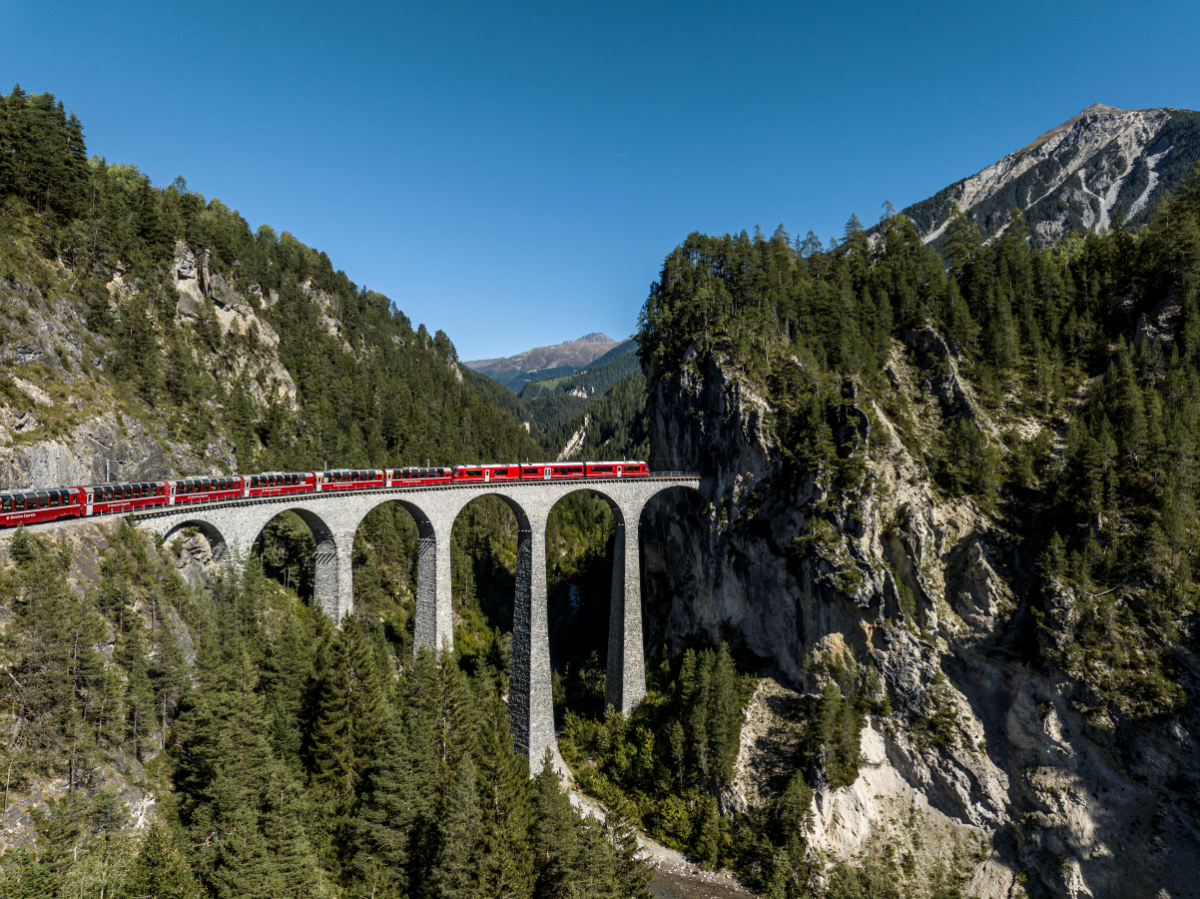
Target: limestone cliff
column 65, row 419
column 1020, row 788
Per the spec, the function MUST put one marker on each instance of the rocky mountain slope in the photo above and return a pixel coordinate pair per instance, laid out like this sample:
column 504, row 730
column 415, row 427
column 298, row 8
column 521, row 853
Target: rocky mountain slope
column 545, row 362
column 890, row 521
column 1077, row 176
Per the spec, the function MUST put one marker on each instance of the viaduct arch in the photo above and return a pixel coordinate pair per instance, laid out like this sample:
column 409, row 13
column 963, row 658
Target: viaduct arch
column 334, row 518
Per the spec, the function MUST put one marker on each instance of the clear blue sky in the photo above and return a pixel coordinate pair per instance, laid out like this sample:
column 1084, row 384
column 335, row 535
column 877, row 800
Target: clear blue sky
column 514, row 173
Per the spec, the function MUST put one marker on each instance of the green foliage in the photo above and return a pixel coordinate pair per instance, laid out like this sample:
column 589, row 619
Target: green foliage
column 673, row 754
column 614, row 426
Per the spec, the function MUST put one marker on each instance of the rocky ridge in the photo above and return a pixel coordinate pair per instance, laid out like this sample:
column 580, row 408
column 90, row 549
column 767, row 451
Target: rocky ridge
column 1075, row 176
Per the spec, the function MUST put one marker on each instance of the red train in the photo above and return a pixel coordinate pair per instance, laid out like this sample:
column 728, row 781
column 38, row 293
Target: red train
column 36, row 506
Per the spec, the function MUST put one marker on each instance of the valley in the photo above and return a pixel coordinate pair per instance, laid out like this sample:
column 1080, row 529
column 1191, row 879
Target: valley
column 927, row 628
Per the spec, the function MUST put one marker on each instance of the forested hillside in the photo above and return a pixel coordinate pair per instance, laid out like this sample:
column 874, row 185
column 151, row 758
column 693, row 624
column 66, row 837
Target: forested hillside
column 183, row 318
column 932, row 475
column 554, row 402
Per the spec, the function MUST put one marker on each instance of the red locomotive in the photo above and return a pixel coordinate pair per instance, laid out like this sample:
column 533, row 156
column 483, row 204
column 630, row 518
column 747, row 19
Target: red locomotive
column 37, row 506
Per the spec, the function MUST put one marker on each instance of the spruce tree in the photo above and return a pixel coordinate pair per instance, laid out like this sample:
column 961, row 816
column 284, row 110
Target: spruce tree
column 552, row 837
column 394, row 805
column 460, row 830
column 506, row 863
column 161, row 870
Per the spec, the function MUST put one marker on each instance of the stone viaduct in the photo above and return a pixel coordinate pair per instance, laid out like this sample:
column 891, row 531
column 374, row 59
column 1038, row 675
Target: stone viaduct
column 233, row 527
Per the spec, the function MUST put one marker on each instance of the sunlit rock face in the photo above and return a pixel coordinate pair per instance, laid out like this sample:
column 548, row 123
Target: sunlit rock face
column 932, row 593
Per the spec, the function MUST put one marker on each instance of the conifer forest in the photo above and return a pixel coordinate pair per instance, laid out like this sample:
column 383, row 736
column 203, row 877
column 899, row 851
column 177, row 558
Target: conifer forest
column 170, row 727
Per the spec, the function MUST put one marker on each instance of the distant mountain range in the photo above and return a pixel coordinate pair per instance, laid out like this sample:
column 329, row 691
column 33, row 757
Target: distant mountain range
column 562, row 359
column 1075, row 176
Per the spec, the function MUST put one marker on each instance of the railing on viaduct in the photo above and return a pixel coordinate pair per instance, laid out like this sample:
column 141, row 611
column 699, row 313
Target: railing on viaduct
column 233, row 527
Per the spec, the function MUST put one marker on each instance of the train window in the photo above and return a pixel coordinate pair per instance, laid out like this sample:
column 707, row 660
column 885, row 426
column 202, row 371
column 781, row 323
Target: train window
column 19, row 503
column 52, row 499
column 97, row 496
column 5, row 504
column 42, row 500
column 136, row 491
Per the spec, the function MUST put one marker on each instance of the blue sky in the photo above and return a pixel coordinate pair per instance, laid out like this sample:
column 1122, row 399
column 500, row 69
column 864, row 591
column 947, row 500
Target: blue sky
column 515, row 173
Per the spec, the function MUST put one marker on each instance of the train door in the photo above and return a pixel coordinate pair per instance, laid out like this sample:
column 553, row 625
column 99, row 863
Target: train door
column 546, row 473
column 618, row 471
column 487, row 474
column 87, row 501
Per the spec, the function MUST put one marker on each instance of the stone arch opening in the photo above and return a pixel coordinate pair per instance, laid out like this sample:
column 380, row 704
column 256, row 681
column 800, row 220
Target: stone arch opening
column 217, row 547
column 674, row 531
column 582, row 528
column 485, row 544
column 530, row 702
column 395, row 566
column 298, row 549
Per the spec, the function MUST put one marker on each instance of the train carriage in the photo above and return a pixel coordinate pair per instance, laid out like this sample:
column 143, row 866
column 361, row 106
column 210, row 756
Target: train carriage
column 279, row 483
column 37, row 506
column 340, row 479
column 206, row 490
column 418, row 477
column 120, row 499
column 617, row 469
column 486, row 474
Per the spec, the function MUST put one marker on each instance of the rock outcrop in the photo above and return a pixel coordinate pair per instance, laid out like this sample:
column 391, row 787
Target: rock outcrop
column 1020, row 787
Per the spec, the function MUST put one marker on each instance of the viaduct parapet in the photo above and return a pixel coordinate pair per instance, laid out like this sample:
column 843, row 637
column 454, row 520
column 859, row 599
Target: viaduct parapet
column 232, row 528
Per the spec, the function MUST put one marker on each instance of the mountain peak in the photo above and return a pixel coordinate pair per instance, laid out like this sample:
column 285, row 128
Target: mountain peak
column 544, row 361
column 1075, row 176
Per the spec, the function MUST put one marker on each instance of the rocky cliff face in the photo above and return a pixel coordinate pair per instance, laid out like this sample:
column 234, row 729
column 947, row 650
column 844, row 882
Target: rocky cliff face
column 1018, row 786
column 63, row 421
column 1077, row 175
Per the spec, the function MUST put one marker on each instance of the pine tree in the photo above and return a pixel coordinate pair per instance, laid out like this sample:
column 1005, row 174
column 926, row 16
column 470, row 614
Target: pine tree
column 141, row 719
column 460, row 830
column 506, row 864
column 552, row 835
column 631, row 873
column 161, row 870
column 394, row 805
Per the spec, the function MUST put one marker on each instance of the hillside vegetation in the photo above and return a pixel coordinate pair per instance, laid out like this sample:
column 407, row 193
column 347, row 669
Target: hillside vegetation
column 1068, row 381
column 102, row 247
